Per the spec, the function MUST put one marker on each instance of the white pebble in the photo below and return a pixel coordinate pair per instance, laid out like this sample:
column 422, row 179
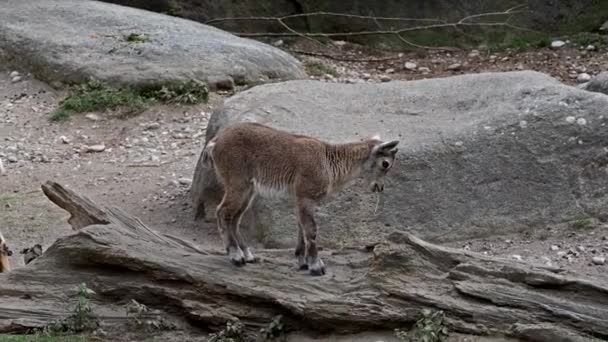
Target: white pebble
column 92, row 117
column 570, row 119
column 14, row 74
column 556, row 44
column 411, row 66
column 581, row 121
column 598, row 260
column 583, row 77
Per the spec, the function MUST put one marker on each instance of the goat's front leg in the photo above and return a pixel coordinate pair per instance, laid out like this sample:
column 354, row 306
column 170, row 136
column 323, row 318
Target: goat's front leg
column 306, row 220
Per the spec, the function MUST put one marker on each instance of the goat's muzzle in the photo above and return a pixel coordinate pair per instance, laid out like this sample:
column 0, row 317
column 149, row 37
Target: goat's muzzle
column 377, row 187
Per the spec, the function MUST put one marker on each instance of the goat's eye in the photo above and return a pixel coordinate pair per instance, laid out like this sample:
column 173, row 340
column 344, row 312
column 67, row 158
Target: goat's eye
column 385, row 164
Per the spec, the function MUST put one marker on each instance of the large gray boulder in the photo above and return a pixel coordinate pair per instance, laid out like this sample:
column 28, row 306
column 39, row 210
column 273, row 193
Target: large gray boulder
column 480, row 154
column 598, row 84
column 72, row 40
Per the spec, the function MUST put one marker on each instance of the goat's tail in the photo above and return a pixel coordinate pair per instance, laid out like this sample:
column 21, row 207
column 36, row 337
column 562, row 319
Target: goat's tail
column 206, row 161
column 208, row 153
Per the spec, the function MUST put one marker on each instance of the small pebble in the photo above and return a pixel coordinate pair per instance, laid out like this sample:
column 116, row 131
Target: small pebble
column 455, row 66
column 151, row 126
column 598, row 260
column 581, row 121
column 16, row 79
column 184, row 181
column 93, row 117
column 93, row 148
column 554, row 248
column 14, row 74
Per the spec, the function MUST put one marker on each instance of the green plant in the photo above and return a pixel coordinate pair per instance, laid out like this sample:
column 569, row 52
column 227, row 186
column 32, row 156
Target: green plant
column 581, row 222
column 317, row 68
column 188, row 92
column 233, row 332
column 82, row 318
column 429, row 328
column 275, row 330
column 143, row 317
column 136, row 38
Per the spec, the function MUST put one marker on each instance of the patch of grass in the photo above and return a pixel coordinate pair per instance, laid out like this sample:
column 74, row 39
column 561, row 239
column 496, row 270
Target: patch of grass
column 317, row 68
column 7, row 200
column 429, row 328
column 97, row 96
column 581, row 222
column 136, row 38
column 586, row 38
column 80, row 320
column 41, row 338
column 501, row 41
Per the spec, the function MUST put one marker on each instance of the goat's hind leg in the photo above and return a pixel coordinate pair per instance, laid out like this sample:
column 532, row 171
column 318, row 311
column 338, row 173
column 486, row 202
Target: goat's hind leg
column 301, row 249
column 249, row 257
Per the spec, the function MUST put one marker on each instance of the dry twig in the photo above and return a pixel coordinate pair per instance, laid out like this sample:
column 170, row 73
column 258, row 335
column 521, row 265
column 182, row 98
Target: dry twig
column 468, row 21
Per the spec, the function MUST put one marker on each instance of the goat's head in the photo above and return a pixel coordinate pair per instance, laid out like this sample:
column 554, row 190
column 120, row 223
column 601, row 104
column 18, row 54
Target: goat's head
column 378, row 164
column 29, row 254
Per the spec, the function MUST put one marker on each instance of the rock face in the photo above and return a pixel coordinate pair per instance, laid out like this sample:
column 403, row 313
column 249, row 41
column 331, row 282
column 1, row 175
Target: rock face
column 479, row 155
column 71, row 40
column 598, row 84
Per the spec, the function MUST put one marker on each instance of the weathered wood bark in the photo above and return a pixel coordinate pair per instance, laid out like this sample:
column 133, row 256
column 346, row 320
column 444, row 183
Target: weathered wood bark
column 383, row 286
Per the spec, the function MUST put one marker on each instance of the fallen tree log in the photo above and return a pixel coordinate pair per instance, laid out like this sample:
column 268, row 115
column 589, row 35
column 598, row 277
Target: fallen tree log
column 381, row 286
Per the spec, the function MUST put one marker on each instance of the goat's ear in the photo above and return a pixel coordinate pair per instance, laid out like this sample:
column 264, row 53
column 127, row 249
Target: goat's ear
column 385, row 147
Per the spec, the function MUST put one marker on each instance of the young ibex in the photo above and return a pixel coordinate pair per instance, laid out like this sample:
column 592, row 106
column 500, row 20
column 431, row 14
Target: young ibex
column 5, row 252
column 250, row 159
